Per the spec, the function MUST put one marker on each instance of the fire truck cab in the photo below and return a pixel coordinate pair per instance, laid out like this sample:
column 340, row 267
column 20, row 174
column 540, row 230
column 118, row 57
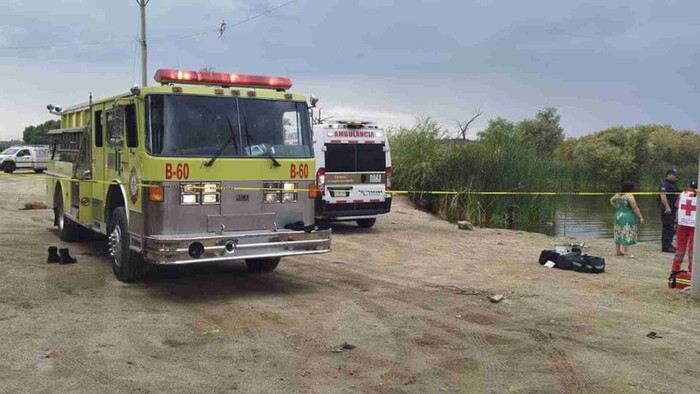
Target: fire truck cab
column 205, row 167
column 354, row 171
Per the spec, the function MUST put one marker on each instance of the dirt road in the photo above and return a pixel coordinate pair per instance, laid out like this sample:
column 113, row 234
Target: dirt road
column 410, row 294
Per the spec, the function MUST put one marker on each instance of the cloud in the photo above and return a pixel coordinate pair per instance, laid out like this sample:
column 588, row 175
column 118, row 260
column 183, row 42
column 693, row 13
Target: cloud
column 601, row 63
column 386, row 119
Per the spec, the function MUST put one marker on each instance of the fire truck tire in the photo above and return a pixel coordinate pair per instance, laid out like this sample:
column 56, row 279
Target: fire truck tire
column 9, row 168
column 262, row 265
column 126, row 264
column 68, row 230
column 366, row 223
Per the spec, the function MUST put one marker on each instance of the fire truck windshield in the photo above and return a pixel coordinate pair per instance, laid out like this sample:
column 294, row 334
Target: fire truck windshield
column 198, row 126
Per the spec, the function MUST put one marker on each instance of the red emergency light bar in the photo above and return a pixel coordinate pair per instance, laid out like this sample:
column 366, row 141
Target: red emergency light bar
column 164, row 76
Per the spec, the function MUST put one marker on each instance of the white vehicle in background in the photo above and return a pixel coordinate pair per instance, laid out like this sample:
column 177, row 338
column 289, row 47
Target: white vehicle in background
column 353, row 172
column 25, row 157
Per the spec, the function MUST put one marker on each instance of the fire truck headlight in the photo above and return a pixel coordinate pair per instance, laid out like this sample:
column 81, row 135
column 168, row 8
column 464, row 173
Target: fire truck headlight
column 209, row 188
column 189, row 199
column 210, row 193
column 189, row 188
column 189, row 194
column 272, row 197
column 275, row 192
column 289, row 193
column 271, row 192
column 210, row 198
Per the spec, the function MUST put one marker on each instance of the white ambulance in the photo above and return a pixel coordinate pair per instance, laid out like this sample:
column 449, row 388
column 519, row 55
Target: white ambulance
column 24, row 157
column 353, row 174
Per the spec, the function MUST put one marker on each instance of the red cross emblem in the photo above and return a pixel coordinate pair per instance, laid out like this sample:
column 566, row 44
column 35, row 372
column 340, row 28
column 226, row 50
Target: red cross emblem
column 688, row 207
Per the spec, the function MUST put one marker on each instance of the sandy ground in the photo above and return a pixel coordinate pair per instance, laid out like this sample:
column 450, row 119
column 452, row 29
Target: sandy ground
column 410, row 294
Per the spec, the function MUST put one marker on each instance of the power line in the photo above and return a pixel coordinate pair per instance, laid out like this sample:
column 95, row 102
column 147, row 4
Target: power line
column 171, row 38
column 268, row 11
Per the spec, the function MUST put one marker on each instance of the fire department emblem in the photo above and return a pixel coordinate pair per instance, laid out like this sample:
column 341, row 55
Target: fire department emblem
column 134, row 186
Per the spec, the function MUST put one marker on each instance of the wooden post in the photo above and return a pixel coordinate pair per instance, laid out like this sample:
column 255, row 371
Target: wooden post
column 695, row 276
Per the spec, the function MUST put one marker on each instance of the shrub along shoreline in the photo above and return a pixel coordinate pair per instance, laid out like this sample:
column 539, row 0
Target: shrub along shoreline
column 531, row 155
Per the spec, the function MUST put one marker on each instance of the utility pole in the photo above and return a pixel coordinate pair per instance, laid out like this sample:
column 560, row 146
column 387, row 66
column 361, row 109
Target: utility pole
column 144, row 49
column 695, row 275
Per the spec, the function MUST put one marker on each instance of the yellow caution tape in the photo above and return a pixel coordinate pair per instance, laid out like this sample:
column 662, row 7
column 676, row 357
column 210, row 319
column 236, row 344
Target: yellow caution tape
column 397, row 192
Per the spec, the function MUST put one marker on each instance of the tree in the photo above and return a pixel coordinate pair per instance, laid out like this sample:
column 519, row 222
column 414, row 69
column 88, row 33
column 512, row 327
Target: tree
column 464, row 126
column 608, row 156
column 36, row 135
column 318, row 119
column 498, row 131
column 544, row 131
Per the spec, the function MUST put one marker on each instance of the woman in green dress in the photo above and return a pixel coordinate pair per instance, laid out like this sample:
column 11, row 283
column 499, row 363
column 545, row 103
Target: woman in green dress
column 628, row 217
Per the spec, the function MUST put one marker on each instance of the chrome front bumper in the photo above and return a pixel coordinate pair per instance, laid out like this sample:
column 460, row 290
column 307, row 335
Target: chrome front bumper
column 175, row 249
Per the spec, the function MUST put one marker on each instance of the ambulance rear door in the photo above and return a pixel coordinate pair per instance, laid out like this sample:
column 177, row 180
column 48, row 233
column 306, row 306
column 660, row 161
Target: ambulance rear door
column 355, row 173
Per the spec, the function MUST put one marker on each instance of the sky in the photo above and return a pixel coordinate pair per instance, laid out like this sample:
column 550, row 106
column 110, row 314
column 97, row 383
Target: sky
column 600, row 63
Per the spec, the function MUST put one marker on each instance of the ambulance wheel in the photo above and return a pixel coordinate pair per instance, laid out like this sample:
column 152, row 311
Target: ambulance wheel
column 9, row 168
column 262, row 265
column 67, row 229
column 366, row 223
column 126, row 264
column 38, row 170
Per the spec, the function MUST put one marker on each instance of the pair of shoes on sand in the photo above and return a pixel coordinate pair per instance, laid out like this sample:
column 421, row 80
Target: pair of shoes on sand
column 61, row 256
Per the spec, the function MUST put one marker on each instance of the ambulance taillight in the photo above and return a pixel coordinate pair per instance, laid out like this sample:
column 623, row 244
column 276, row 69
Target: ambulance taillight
column 388, row 178
column 321, row 181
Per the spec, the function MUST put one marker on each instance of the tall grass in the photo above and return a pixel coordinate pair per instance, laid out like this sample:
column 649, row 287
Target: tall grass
column 649, row 179
column 654, row 175
column 423, row 160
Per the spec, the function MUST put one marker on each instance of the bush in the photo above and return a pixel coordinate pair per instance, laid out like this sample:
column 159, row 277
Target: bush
column 503, row 161
column 531, row 156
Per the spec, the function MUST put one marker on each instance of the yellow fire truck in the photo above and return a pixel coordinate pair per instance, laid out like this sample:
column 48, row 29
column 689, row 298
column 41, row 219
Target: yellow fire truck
column 206, row 167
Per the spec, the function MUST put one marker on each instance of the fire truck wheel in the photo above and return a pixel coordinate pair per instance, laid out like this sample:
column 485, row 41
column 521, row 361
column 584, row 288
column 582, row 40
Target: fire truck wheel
column 9, row 168
column 126, row 264
column 366, row 223
column 67, row 229
column 262, row 265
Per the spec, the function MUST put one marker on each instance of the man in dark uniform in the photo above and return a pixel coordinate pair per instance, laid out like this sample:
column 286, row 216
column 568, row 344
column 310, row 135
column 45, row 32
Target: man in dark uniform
column 669, row 196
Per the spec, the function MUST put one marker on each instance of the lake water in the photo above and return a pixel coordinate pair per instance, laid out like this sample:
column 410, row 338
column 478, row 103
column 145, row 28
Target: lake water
column 592, row 217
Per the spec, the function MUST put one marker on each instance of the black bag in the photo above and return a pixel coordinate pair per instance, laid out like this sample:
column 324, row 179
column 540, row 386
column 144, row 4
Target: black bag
column 589, row 264
column 549, row 255
column 574, row 261
column 560, row 261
